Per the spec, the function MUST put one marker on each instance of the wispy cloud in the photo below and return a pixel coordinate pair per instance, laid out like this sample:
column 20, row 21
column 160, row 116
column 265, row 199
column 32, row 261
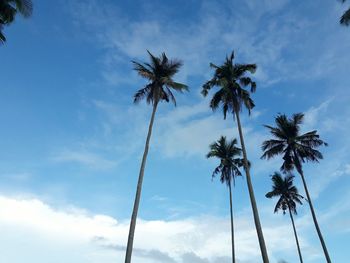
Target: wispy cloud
column 88, row 159
column 268, row 38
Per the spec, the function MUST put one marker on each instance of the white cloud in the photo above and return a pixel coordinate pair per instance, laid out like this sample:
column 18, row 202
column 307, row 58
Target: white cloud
column 76, row 234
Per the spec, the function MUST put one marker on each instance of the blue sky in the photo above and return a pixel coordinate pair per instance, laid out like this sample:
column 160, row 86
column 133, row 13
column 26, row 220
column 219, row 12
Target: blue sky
column 71, row 139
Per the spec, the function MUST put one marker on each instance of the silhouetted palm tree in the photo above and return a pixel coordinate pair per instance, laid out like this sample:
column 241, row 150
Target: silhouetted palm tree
column 159, row 72
column 296, row 148
column 232, row 97
column 345, row 18
column 288, row 197
column 229, row 154
column 8, row 11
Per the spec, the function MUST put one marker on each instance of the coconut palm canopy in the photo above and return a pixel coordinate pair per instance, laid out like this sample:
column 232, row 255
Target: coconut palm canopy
column 228, row 153
column 232, row 80
column 287, row 193
column 289, row 142
column 159, row 72
column 8, row 11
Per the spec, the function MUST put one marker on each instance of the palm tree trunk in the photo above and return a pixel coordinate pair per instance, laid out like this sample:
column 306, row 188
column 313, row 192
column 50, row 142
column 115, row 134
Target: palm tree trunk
column 232, row 229
column 251, row 194
column 296, row 236
column 314, row 218
column 138, row 190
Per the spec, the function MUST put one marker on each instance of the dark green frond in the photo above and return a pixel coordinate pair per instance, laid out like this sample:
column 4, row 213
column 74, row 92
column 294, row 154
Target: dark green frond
column 8, row 11
column 217, row 99
column 25, row 7
column 2, row 37
column 345, row 18
column 271, row 149
column 155, row 62
column 176, row 86
column 241, row 69
column 208, row 85
column 142, row 93
column 298, row 118
column 143, row 71
column 170, row 95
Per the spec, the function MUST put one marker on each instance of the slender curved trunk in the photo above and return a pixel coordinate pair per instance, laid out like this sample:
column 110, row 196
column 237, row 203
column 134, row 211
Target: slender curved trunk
column 251, row 194
column 138, row 190
column 315, row 219
column 296, row 236
column 232, row 229
column 300, row 171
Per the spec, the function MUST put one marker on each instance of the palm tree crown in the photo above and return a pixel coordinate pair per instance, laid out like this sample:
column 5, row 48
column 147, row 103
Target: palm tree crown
column 160, row 73
column 232, row 80
column 345, row 18
column 296, row 148
column 9, row 9
column 228, row 153
column 286, row 191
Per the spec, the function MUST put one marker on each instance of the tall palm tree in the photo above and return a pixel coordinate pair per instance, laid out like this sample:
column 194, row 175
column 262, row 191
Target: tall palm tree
column 229, row 154
column 296, row 149
column 345, row 18
column 9, row 10
column 231, row 79
column 288, row 199
column 159, row 72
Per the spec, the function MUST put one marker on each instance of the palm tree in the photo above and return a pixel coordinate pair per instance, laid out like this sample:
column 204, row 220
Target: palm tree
column 345, row 18
column 296, row 149
column 232, row 96
column 228, row 153
column 8, row 11
column 159, row 72
column 288, row 197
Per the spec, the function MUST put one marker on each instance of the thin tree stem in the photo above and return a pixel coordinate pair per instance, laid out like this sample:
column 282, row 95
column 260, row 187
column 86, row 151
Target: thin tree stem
column 251, row 194
column 315, row 219
column 296, row 236
column 232, row 229
column 300, row 171
column 138, row 190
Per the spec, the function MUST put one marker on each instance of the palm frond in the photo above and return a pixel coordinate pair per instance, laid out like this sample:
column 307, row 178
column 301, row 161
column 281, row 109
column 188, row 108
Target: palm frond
column 170, row 95
column 2, row 37
column 345, row 18
column 298, row 118
column 271, row 151
column 142, row 93
column 217, row 98
column 143, row 71
column 155, row 62
column 175, row 85
column 241, row 69
column 25, row 7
